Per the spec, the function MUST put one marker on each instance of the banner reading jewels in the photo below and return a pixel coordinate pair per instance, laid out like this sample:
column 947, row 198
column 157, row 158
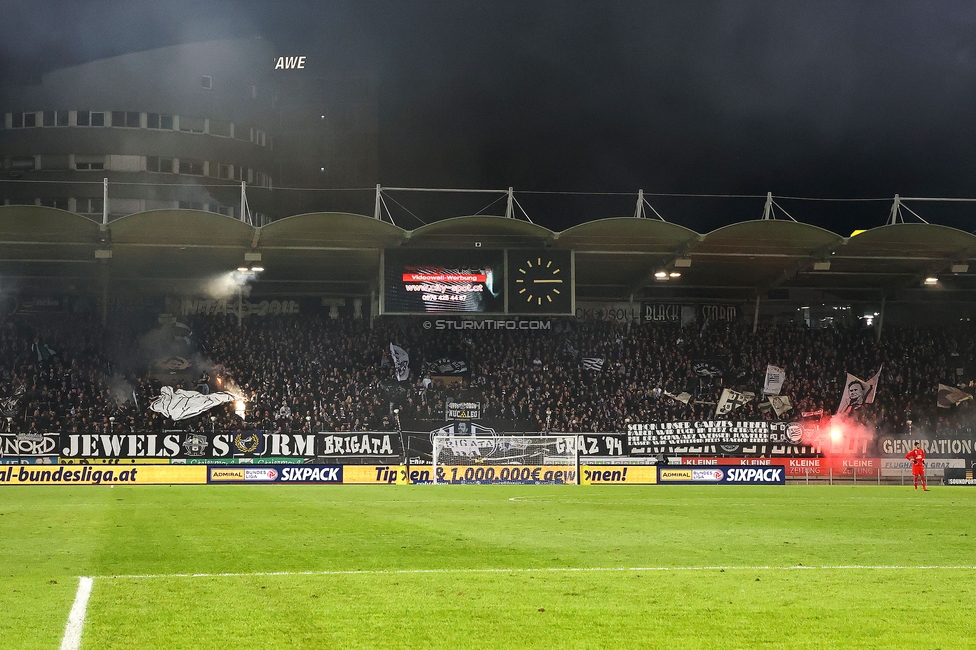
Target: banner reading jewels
column 179, row 444
column 718, row 437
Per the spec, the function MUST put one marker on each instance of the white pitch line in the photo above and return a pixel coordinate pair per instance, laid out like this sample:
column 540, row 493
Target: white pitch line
column 259, row 574
column 76, row 618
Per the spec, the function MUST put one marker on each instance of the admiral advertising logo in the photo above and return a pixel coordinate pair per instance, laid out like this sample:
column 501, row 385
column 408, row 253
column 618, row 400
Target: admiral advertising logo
column 245, row 475
column 675, row 475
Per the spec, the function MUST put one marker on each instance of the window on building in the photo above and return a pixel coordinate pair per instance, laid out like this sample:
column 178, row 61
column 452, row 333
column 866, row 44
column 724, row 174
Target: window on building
column 30, row 120
column 259, row 137
column 18, row 121
column 152, row 120
column 49, row 118
column 118, row 118
column 191, row 124
column 61, row 118
column 166, row 122
column 84, row 118
column 97, row 118
column 157, row 164
column 191, row 205
column 89, row 163
column 207, row 82
column 191, row 167
column 242, row 132
column 89, row 205
column 60, row 203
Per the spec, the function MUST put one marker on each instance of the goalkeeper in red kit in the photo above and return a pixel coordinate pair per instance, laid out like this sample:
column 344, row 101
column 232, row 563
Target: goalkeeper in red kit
column 917, row 456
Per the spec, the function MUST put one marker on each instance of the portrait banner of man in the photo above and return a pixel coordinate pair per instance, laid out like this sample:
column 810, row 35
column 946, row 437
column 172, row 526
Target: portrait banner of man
column 857, row 393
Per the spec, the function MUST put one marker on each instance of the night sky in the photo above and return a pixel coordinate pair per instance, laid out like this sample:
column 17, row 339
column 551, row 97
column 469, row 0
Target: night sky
column 846, row 99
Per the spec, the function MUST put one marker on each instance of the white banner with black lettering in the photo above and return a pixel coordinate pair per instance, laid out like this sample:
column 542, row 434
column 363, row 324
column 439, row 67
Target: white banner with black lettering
column 857, row 393
column 774, row 380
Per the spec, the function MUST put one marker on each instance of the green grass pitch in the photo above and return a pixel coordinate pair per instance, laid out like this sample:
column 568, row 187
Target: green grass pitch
column 484, row 566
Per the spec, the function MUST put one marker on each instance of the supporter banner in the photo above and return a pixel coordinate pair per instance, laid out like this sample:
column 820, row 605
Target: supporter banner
column 615, row 312
column 87, row 475
column 682, row 313
column 16, row 445
column 858, row 392
column 506, row 474
column 182, row 404
column 722, row 474
column 619, row 475
column 249, row 444
column 943, row 447
column 775, row 377
column 401, row 362
column 446, row 366
column 654, row 437
column 604, row 444
column 950, row 396
column 454, row 410
column 358, row 445
column 274, row 474
column 209, row 307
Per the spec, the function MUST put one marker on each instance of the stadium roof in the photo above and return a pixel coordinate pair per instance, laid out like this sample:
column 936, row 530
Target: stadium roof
column 330, row 253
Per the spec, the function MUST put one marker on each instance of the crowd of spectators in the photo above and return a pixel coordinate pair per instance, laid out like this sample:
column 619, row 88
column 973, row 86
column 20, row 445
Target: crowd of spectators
column 310, row 372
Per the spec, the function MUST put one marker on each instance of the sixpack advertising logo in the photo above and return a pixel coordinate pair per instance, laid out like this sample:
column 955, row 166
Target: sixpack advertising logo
column 287, row 474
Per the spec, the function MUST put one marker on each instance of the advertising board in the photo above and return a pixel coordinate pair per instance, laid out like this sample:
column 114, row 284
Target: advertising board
column 304, row 474
column 437, row 281
column 722, row 475
column 618, row 475
column 88, row 475
column 505, row 474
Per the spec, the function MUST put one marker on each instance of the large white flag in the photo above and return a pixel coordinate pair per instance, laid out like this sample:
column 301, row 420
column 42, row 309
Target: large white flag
column 730, row 400
column 774, row 380
column 401, row 362
column 949, row 396
column 182, row 404
column 857, row 393
column 780, row 404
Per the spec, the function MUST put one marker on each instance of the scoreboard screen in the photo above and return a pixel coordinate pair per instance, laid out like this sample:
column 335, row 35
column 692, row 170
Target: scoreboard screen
column 418, row 281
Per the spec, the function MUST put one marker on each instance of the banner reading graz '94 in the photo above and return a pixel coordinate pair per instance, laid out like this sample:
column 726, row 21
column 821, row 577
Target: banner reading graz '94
column 179, row 444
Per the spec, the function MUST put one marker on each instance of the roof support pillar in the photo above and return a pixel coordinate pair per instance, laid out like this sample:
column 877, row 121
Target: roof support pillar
column 377, row 208
column 768, row 210
column 755, row 316
column 881, row 316
column 639, row 212
column 510, row 207
column 104, row 201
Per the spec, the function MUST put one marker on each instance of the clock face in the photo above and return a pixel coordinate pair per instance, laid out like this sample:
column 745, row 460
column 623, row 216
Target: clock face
column 541, row 282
